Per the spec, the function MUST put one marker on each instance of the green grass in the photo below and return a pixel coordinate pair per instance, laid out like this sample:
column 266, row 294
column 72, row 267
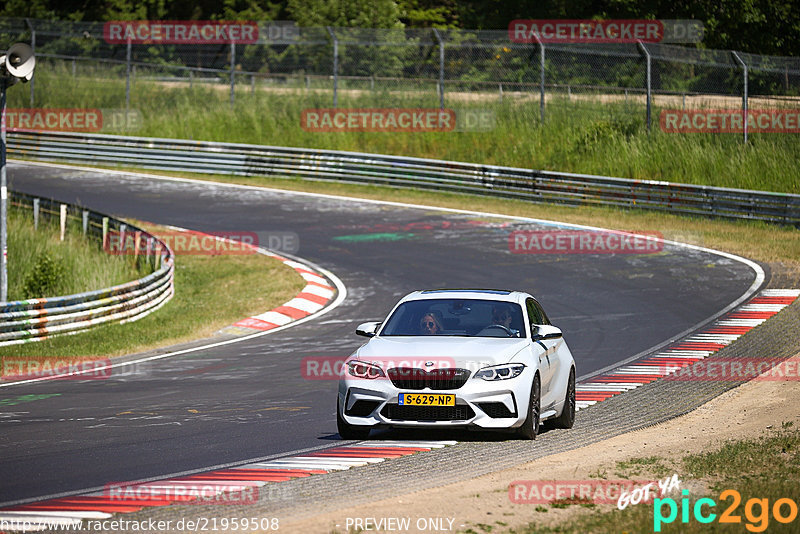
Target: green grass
column 767, row 467
column 578, row 136
column 79, row 264
column 211, row 292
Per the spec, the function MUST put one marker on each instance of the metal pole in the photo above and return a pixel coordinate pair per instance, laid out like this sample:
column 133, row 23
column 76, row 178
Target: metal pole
column 3, row 196
column 744, row 94
column 541, row 76
column 441, row 67
column 335, row 66
column 649, row 81
column 233, row 70
column 33, row 47
column 128, row 77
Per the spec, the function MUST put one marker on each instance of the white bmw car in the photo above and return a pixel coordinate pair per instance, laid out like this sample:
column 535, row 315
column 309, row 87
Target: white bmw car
column 484, row 359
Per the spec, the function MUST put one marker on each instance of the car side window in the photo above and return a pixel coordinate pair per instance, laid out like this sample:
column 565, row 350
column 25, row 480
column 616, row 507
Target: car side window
column 544, row 319
column 534, row 315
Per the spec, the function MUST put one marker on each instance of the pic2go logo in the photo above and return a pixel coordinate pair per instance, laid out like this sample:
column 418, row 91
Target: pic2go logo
column 756, row 511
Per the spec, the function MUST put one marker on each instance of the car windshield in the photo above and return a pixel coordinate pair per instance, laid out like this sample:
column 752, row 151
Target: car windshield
column 456, row 317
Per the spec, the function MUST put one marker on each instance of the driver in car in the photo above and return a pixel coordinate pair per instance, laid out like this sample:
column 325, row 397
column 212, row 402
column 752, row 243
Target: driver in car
column 429, row 325
column 501, row 315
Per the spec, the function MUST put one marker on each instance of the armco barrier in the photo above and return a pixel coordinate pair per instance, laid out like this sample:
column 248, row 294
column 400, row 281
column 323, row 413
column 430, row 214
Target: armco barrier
column 398, row 171
column 23, row 321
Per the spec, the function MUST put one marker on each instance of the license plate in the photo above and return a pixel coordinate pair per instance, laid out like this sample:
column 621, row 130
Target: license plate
column 426, row 399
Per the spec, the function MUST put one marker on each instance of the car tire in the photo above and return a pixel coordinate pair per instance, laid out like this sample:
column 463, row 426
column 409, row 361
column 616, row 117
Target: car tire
column 348, row 431
column 567, row 417
column 530, row 428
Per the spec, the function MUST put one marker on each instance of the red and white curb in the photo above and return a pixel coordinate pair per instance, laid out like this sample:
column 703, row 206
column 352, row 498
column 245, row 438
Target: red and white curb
column 317, row 294
column 717, row 335
column 203, row 488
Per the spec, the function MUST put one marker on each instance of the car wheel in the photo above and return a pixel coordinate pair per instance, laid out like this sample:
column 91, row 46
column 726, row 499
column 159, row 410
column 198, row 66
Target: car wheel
column 567, row 417
column 530, row 427
column 348, row 431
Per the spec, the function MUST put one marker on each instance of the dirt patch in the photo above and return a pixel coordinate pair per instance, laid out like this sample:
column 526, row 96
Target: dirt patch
column 744, row 412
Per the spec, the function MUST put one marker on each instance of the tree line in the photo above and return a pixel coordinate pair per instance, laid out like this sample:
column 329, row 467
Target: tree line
column 756, row 26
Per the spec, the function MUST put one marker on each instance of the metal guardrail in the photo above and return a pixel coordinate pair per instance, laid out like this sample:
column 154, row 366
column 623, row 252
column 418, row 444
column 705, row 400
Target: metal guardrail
column 29, row 320
column 398, row 171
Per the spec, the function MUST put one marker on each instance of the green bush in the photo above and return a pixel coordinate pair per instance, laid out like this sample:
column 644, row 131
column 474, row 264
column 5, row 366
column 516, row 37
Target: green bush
column 46, row 278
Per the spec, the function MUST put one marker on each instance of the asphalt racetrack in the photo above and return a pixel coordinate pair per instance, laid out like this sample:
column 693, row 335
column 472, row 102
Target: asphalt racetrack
column 248, row 399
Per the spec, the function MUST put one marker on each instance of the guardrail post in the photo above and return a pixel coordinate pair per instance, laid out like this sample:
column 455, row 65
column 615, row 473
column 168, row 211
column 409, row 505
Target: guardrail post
column 744, row 93
column 105, row 233
column 335, row 66
column 128, row 77
column 122, row 238
column 85, row 222
column 35, row 214
column 149, row 251
column 63, row 220
column 649, row 80
column 137, row 242
column 233, row 71
column 441, row 67
column 158, row 256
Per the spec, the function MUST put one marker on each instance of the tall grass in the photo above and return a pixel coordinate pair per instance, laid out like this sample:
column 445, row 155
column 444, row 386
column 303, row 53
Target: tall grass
column 578, row 135
column 77, row 264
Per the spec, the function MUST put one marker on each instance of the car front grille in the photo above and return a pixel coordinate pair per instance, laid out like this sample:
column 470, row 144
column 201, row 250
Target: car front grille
column 436, row 379
column 397, row 412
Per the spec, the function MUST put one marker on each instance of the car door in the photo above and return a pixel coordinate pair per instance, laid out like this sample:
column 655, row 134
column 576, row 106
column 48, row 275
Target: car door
column 547, row 352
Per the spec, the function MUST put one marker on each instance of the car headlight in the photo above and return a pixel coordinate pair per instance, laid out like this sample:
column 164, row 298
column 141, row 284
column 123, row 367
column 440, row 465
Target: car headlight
column 501, row 372
column 364, row 370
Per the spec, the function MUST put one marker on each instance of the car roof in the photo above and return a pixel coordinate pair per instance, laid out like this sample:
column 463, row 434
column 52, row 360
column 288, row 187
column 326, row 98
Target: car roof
column 465, row 293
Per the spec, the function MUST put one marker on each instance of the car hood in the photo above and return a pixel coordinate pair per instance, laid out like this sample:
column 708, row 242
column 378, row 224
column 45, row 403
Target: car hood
column 463, row 352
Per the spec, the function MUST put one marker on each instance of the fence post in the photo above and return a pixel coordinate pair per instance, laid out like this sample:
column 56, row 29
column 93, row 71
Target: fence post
column 62, row 212
column 233, row 71
column 35, row 213
column 541, row 76
column 33, row 47
column 441, row 67
column 649, row 80
column 335, row 66
column 128, row 77
column 744, row 93
column 85, row 222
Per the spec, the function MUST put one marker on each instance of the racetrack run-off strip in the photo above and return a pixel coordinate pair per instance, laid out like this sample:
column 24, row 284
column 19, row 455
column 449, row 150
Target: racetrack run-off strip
column 71, row 511
column 685, row 352
column 208, row 486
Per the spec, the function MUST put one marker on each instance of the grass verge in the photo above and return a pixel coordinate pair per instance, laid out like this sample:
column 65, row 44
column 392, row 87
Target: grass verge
column 211, row 292
column 760, row 471
column 40, row 264
column 588, row 135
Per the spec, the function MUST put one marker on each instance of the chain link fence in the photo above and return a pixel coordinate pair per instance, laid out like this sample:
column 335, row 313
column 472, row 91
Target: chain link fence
column 426, row 68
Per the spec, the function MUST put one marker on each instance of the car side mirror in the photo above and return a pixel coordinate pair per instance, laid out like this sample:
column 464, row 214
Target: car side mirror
column 368, row 329
column 546, row 331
